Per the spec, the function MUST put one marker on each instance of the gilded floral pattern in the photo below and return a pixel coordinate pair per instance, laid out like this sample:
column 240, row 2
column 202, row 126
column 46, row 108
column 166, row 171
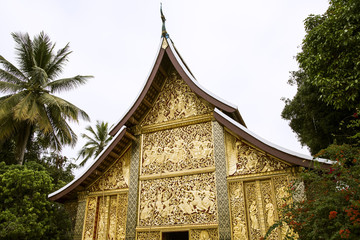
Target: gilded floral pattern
column 204, row 234
column 106, row 217
column 244, row 159
column 238, row 216
column 176, row 101
column 178, row 200
column 148, row 235
column 177, row 149
column 117, row 177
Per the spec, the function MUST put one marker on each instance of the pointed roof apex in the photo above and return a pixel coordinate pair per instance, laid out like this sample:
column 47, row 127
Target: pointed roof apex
column 163, row 32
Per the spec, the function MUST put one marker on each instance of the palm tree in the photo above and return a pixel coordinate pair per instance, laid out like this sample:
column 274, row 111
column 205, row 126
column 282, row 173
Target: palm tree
column 30, row 105
column 96, row 143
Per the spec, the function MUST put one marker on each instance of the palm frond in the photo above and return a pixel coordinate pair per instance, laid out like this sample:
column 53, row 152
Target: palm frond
column 39, row 77
column 58, row 61
column 68, row 110
column 42, row 46
column 9, row 87
column 24, row 52
column 11, row 69
column 67, row 83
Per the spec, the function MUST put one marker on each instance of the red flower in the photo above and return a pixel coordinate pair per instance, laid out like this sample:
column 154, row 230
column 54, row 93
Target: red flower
column 356, row 115
column 344, row 233
column 332, row 214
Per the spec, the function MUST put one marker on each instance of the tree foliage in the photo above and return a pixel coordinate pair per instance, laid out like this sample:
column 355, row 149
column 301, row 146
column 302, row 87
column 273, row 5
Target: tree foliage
column 326, row 106
column 316, row 124
column 25, row 211
column 30, row 104
column 96, row 141
column 331, row 209
column 330, row 53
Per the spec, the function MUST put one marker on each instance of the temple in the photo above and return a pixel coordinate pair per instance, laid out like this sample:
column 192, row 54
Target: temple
column 181, row 165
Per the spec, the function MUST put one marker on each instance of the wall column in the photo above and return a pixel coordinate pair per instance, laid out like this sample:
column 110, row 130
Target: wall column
column 131, row 216
column 80, row 216
column 221, row 183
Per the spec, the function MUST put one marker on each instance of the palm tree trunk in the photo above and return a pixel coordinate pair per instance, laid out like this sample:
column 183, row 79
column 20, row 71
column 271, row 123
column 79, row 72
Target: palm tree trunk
column 21, row 142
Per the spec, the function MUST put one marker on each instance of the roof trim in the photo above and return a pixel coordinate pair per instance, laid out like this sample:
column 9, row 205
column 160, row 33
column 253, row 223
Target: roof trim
column 185, row 73
column 77, row 181
column 273, row 149
column 142, row 93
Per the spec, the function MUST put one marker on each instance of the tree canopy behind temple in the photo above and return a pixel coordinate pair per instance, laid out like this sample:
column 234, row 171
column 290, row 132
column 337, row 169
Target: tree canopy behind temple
column 30, row 104
column 328, row 82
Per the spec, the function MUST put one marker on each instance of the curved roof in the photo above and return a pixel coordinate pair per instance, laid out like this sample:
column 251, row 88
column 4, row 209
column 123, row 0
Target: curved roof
column 277, row 151
column 168, row 52
column 225, row 113
column 91, row 169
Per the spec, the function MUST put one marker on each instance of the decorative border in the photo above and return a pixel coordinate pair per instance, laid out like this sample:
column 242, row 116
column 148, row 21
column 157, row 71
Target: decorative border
column 176, row 123
column 221, row 182
column 176, row 228
column 109, row 192
column 80, row 216
column 178, row 174
column 131, row 216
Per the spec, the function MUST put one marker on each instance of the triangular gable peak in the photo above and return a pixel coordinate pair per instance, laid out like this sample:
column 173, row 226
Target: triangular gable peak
column 170, row 65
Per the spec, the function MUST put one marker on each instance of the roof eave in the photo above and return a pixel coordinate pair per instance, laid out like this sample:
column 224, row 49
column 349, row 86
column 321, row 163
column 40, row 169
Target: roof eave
column 277, row 151
column 57, row 195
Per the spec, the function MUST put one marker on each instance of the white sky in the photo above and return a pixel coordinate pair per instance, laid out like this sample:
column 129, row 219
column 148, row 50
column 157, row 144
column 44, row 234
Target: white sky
column 240, row 50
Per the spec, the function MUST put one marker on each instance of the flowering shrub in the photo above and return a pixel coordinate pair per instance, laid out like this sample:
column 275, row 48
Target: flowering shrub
column 331, row 207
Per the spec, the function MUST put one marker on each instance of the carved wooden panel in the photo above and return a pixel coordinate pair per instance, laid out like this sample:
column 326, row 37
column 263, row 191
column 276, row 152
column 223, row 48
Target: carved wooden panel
column 178, row 200
column 176, row 101
column 255, row 207
column 238, row 215
column 116, row 177
column 204, row 234
column 177, row 149
column 244, row 159
column 91, row 211
column 106, row 217
column 148, row 235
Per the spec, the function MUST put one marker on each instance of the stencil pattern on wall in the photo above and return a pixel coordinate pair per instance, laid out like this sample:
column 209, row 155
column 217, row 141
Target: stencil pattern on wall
column 176, row 101
column 177, row 149
column 117, row 177
column 178, row 200
column 244, row 159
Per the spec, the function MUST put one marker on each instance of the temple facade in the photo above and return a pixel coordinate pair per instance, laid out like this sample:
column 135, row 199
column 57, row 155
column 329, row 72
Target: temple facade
column 181, row 165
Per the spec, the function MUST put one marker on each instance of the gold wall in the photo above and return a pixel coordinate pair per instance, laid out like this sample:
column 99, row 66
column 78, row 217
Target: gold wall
column 257, row 184
column 179, row 178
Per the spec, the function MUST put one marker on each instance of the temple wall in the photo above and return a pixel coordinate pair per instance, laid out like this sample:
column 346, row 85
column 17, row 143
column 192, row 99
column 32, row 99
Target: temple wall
column 257, row 189
column 106, row 202
column 185, row 172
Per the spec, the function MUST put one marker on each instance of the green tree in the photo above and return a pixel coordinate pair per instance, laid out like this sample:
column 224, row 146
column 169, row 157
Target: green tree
column 331, row 207
column 25, row 211
column 316, row 124
column 96, row 141
column 330, row 53
column 31, row 106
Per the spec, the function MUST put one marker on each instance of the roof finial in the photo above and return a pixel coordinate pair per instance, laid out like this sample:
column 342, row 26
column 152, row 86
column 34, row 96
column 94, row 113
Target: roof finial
column 164, row 32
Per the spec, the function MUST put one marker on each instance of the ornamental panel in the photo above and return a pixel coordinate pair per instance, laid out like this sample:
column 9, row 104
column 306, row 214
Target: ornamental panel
column 177, row 149
column 255, row 207
column 116, row 177
column 148, row 235
column 177, row 201
column 176, row 101
column 204, row 234
column 105, row 217
column 245, row 159
column 238, row 215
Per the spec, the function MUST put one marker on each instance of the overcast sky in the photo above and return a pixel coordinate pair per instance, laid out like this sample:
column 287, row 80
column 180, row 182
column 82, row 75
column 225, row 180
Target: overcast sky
column 240, row 50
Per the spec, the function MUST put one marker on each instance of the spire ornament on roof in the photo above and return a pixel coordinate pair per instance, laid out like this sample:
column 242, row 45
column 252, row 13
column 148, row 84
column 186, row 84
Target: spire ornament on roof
column 164, row 32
